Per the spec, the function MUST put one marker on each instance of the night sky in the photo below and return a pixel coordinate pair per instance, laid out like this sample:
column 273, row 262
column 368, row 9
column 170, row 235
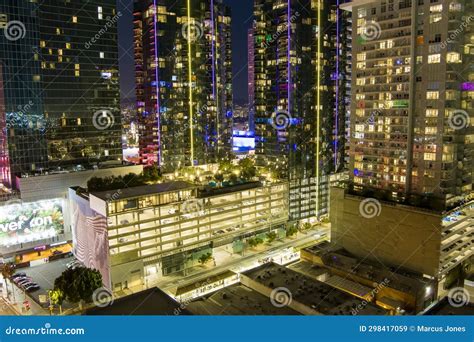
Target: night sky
column 241, row 22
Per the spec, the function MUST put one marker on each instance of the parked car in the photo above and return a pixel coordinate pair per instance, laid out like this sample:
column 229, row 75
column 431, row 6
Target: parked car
column 24, row 281
column 27, row 284
column 21, row 279
column 74, row 264
column 19, row 274
column 32, row 287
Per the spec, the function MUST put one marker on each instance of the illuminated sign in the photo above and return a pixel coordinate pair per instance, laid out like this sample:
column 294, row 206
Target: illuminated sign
column 27, row 222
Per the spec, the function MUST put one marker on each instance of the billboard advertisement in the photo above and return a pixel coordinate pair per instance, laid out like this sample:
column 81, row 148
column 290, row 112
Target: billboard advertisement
column 90, row 237
column 28, row 222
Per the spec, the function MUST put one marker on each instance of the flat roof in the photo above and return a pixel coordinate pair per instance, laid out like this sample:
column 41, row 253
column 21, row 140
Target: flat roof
column 149, row 302
column 237, row 300
column 143, row 190
column 312, row 293
column 339, row 258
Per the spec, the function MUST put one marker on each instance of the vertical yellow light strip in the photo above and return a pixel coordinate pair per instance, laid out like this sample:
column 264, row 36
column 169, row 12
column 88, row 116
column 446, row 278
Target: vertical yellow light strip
column 190, row 84
column 217, row 84
column 318, row 106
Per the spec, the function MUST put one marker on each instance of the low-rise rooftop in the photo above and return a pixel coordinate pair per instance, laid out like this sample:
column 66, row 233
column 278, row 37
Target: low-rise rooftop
column 312, row 293
column 149, row 302
column 397, row 278
column 237, row 300
column 143, row 190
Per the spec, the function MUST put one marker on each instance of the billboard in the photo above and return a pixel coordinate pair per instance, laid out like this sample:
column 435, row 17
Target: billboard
column 90, row 237
column 28, row 222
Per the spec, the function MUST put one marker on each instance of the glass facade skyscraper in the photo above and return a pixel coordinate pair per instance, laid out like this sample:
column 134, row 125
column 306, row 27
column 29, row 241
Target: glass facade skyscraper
column 59, row 63
column 184, row 81
column 294, row 99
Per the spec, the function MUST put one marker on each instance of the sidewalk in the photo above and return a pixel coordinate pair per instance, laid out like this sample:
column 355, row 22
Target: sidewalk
column 18, row 299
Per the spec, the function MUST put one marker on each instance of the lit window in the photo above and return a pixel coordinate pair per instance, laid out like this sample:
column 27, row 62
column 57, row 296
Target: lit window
column 430, row 156
column 431, row 113
column 436, row 9
column 42, row 43
column 361, row 56
column 74, row 19
column 58, row 31
column 432, row 95
column 453, row 57
column 434, row 18
column 436, row 58
column 102, row 55
column 36, row 78
column 68, row 45
column 100, row 14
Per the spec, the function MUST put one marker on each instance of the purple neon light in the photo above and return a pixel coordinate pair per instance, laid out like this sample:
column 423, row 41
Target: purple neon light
column 157, row 75
column 213, row 53
column 214, row 67
column 467, row 86
column 288, row 56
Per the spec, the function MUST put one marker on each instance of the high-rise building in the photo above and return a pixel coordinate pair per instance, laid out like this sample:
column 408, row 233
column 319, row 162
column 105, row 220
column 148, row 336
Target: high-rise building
column 184, row 81
column 294, row 101
column 251, row 78
column 5, row 176
column 340, row 39
column 412, row 99
column 59, row 62
column 410, row 203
